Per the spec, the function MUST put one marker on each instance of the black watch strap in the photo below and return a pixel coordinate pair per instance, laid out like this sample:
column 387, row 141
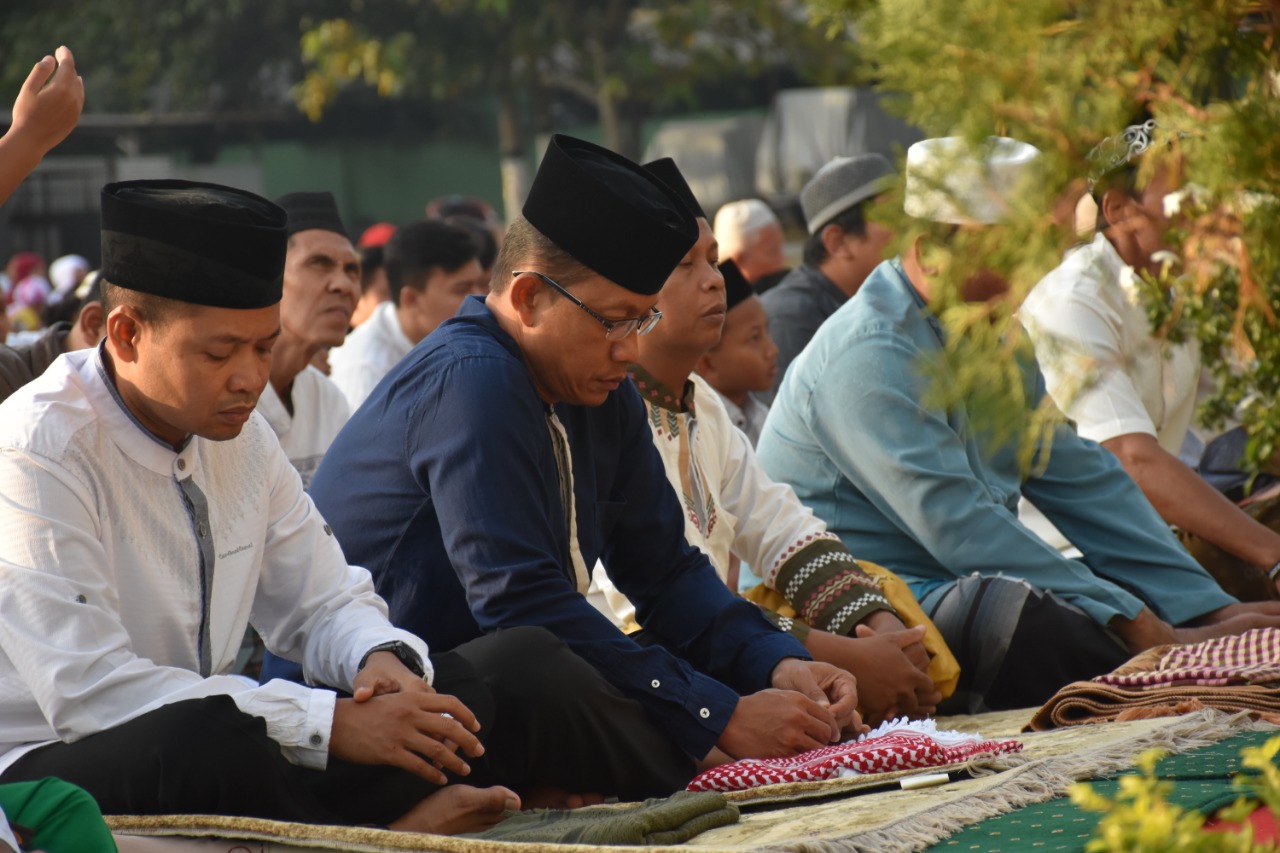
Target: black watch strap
column 401, row 650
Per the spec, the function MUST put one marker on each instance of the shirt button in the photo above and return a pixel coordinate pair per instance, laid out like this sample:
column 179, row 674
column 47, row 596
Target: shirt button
column 182, row 464
column 328, row 530
column 316, row 740
column 200, row 530
column 80, row 599
column 656, row 683
column 704, row 713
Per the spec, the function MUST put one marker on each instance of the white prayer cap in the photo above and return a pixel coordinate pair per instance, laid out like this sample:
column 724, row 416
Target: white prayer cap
column 948, row 180
column 67, row 272
column 737, row 221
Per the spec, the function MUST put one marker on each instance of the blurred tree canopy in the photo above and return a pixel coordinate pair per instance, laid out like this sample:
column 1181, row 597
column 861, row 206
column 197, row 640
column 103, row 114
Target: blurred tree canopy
column 1062, row 75
column 625, row 60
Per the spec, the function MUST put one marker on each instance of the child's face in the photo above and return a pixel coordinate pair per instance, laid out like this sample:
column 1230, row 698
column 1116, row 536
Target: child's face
column 746, row 358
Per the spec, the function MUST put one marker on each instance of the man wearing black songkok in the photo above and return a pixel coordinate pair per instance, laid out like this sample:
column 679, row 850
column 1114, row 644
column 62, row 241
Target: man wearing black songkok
column 511, row 452
column 321, row 285
column 149, row 515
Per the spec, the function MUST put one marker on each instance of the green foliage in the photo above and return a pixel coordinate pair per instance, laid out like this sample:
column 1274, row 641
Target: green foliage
column 1062, row 75
column 1140, row 819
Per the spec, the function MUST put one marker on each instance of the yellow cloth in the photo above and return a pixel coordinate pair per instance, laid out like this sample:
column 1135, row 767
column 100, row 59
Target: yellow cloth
column 944, row 669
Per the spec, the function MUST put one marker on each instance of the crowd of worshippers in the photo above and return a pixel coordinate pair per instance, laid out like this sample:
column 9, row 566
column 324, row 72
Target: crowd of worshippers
column 401, row 467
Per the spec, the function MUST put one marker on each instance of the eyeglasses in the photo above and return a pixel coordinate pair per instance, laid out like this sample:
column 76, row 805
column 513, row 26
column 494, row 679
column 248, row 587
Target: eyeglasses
column 614, row 330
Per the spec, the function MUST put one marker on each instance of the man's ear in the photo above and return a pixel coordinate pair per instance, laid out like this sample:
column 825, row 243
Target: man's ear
column 1117, row 206
column 522, row 294
column 124, row 327
column 832, row 239
column 92, row 322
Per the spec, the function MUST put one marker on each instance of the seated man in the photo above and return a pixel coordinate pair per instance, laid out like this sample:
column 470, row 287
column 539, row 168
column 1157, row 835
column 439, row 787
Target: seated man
column 1126, row 389
column 303, row 407
column 431, row 267
column 751, row 236
column 912, row 487
column 149, row 514
column 843, row 248
column 744, row 361
column 511, row 453
column 734, row 511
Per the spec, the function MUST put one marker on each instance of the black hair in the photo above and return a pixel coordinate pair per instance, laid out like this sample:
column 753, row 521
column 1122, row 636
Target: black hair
column 486, row 245
column 525, row 247
column 372, row 259
column 420, row 247
column 851, row 221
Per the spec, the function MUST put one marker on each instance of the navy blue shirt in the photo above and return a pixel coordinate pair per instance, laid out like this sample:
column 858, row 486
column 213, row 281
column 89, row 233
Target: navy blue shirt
column 445, row 486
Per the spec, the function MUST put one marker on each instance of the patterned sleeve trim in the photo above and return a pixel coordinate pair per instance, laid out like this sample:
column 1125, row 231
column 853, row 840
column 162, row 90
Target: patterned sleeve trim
column 827, row 588
column 794, row 627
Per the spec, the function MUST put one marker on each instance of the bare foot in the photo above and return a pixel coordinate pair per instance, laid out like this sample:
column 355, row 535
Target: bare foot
column 1236, row 624
column 458, row 808
column 559, row 798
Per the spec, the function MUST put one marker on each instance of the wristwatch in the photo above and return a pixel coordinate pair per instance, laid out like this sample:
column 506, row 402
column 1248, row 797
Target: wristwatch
column 401, row 650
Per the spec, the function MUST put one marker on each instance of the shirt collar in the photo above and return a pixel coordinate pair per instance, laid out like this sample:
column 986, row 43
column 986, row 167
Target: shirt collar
column 133, row 438
column 656, row 393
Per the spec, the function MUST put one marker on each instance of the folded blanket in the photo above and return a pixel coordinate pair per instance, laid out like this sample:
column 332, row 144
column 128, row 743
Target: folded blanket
column 672, row 820
column 1250, row 658
column 896, row 745
column 1239, row 673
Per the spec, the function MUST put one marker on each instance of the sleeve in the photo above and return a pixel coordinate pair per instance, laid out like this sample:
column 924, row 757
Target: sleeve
column 782, row 539
column 913, row 467
column 1086, row 494
column 61, row 629
column 311, row 607
column 486, row 460
column 1079, row 343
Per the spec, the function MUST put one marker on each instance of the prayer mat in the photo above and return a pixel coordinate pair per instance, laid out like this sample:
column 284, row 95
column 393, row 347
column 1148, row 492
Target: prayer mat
column 895, row 745
column 834, row 816
column 1202, row 782
column 1238, row 673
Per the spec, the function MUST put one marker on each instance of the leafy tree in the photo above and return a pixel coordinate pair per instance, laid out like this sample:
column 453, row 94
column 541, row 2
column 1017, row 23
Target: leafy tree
column 1062, row 75
column 626, row 59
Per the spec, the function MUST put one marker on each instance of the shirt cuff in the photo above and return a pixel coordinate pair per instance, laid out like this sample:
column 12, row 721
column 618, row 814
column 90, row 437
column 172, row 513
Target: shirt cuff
column 312, row 751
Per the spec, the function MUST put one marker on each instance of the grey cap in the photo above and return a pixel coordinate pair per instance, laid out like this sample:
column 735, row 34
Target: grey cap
column 841, row 184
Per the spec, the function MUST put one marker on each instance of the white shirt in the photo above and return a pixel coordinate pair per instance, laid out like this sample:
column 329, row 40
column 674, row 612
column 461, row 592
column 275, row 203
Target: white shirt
column 319, row 412
column 731, row 505
column 102, row 583
column 1102, row 365
column 369, row 352
column 748, row 418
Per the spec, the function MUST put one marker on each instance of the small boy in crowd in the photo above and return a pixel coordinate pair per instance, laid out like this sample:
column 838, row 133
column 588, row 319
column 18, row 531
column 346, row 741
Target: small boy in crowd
column 746, row 359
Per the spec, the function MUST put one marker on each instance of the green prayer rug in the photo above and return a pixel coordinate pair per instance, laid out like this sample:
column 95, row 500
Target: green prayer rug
column 1202, row 782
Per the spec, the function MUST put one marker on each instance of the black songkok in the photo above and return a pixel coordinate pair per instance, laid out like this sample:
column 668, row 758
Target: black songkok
column 199, row 243
column 668, row 172
column 312, row 210
column 736, row 286
column 609, row 214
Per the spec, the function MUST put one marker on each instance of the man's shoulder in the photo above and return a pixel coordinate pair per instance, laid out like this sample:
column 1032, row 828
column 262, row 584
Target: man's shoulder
column 794, row 292
column 314, row 385
column 45, row 414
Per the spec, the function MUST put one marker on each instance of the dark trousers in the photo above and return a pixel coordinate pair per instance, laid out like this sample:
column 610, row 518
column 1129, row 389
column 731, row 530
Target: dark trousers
column 1017, row 645
column 547, row 719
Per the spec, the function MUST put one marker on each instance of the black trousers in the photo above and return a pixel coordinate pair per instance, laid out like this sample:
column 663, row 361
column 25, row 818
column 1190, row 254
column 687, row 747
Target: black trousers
column 547, row 719
column 1017, row 645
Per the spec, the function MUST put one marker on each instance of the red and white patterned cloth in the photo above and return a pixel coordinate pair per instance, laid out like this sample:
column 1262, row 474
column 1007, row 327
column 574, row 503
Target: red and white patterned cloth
column 1250, row 658
column 896, row 745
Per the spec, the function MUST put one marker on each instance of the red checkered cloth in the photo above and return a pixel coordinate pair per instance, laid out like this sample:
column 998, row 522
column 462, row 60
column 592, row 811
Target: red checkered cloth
column 1249, row 658
column 895, row 746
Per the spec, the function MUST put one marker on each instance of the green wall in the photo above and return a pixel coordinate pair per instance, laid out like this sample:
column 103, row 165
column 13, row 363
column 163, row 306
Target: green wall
column 372, row 180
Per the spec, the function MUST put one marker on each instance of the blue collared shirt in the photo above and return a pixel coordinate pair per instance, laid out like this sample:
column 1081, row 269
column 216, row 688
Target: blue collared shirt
column 913, row 489
column 445, row 486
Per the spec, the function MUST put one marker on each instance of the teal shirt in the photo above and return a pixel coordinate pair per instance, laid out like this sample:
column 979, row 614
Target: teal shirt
column 911, row 488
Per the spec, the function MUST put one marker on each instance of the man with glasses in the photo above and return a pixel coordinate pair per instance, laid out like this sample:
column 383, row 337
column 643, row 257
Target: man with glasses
column 506, row 454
